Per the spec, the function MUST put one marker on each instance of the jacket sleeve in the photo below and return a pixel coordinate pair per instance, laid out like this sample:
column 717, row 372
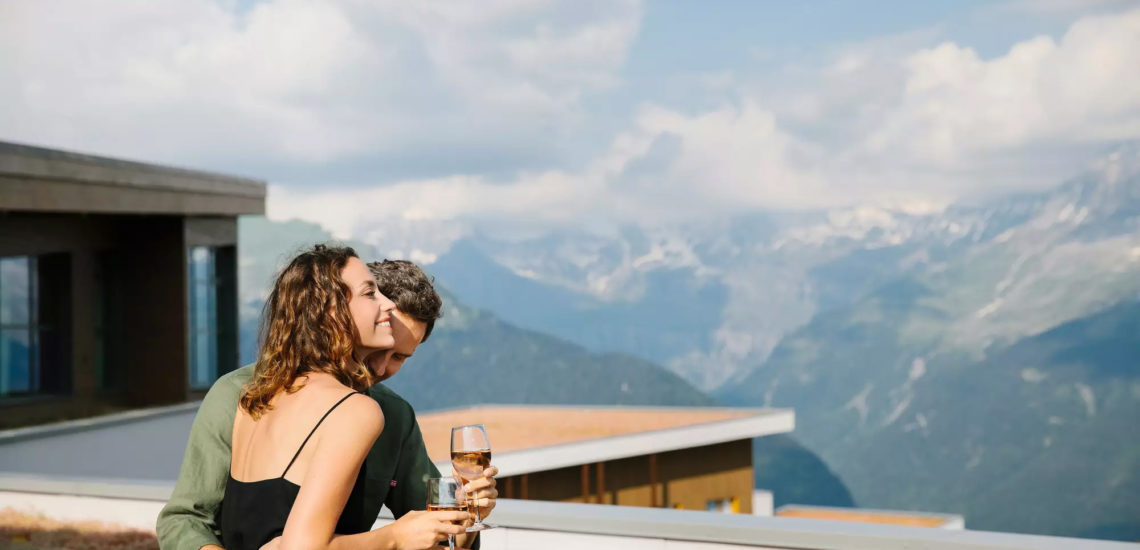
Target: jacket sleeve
column 189, row 519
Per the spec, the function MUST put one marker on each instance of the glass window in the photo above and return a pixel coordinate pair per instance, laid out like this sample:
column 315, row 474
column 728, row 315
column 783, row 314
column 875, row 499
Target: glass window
column 19, row 353
column 203, row 306
column 726, row 505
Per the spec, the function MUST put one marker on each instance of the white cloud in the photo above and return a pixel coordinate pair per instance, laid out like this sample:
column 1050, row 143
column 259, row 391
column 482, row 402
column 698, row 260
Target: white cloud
column 909, row 118
column 956, row 106
column 734, row 159
column 884, row 122
column 182, row 79
column 542, row 199
column 944, row 124
column 197, row 81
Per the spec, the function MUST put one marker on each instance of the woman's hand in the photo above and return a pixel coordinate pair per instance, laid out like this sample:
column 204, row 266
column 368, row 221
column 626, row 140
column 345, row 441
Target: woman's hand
column 418, row 530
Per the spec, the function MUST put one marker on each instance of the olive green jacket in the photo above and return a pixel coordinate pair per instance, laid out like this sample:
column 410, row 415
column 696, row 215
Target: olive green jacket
column 395, row 470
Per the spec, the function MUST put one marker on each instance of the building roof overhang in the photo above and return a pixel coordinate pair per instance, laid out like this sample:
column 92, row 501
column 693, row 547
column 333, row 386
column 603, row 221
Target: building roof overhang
column 595, row 438
column 35, row 179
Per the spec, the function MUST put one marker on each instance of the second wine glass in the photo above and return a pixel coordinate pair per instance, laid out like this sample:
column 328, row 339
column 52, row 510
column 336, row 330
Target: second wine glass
column 446, row 495
column 471, row 455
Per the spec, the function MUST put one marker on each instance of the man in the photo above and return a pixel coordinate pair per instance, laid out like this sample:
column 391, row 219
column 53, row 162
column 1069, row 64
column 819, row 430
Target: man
column 417, row 307
column 396, row 468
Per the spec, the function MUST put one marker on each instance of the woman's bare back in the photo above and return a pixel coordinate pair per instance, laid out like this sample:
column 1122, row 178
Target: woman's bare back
column 262, row 448
column 294, row 470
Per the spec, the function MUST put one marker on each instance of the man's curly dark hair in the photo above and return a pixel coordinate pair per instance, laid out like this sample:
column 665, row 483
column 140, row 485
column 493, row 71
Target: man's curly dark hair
column 411, row 289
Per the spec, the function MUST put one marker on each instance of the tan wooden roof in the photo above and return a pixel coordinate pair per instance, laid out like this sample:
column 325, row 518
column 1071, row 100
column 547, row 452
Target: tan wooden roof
column 519, row 428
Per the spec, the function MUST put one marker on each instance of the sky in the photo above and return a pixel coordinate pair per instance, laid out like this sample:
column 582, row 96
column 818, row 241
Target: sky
column 533, row 115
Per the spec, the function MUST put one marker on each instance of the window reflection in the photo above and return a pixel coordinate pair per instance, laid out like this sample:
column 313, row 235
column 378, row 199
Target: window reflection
column 18, row 346
column 203, row 302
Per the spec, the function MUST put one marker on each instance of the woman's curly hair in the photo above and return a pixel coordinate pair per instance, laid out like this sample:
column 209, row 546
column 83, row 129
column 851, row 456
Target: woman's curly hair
column 306, row 327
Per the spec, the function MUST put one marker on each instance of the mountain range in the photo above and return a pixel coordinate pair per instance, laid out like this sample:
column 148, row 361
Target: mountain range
column 712, row 300
column 908, row 340
column 998, row 378
column 978, row 358
column 487, row 360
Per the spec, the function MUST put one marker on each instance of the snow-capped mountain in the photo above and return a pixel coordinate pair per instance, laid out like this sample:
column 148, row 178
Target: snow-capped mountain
column 711, row 300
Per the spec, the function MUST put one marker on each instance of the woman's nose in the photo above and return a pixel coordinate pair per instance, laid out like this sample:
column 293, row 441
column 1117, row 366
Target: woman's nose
column 386, row 304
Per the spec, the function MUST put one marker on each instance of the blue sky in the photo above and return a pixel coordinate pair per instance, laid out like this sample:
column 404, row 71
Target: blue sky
column 551, row 112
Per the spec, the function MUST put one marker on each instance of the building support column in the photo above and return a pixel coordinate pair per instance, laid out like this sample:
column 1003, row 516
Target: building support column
column 653, row 481
column 600, row 469
column 585, row 483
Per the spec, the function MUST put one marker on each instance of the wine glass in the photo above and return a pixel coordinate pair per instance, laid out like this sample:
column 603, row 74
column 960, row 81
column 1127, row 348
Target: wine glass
column 470, row 455
column 445, row 494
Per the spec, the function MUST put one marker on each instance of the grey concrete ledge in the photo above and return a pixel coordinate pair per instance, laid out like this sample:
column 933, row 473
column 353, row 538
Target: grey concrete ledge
column 654, row 523
column 792, row 533
column 95, row 422
column 87, row 487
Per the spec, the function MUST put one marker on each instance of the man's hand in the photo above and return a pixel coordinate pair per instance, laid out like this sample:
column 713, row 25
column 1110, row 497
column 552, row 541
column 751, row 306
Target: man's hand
column 483, row 492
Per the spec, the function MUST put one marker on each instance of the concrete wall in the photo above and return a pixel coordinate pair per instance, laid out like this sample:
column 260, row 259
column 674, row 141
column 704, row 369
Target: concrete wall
column 154, row 269
column 685, row 479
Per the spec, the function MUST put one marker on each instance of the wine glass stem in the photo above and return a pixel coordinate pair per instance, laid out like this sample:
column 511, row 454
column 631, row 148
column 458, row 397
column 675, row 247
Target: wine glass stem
column 450, row 542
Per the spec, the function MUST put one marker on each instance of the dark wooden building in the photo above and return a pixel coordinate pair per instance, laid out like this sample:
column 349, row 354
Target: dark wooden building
column 118, row 282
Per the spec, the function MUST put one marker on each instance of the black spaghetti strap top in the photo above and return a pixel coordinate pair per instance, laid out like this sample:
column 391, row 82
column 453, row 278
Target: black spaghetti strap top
column 254, row 513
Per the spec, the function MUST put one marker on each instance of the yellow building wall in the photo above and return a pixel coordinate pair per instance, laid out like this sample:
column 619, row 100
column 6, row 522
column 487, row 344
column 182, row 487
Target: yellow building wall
column 687, row 478
column 715, row 473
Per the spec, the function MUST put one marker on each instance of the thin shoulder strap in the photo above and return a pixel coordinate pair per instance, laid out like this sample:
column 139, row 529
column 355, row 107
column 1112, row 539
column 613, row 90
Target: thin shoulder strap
column 302, row 447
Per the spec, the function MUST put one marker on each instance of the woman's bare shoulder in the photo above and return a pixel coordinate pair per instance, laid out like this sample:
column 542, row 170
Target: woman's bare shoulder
column 360, row 414
column 361, row 404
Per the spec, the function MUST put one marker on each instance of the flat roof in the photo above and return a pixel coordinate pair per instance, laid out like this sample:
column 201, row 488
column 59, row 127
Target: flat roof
column 37, row 179
column 528, row 439
column 103, row 447
column 863, row 515
column 523, row 438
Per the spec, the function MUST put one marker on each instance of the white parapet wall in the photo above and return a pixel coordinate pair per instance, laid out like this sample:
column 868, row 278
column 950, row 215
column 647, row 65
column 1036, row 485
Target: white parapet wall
column 566, row 526
column 130, row 504
column 136, row 514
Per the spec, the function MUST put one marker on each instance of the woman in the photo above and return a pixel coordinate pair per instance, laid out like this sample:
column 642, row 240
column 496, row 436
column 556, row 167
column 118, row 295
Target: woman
column 303, row 428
